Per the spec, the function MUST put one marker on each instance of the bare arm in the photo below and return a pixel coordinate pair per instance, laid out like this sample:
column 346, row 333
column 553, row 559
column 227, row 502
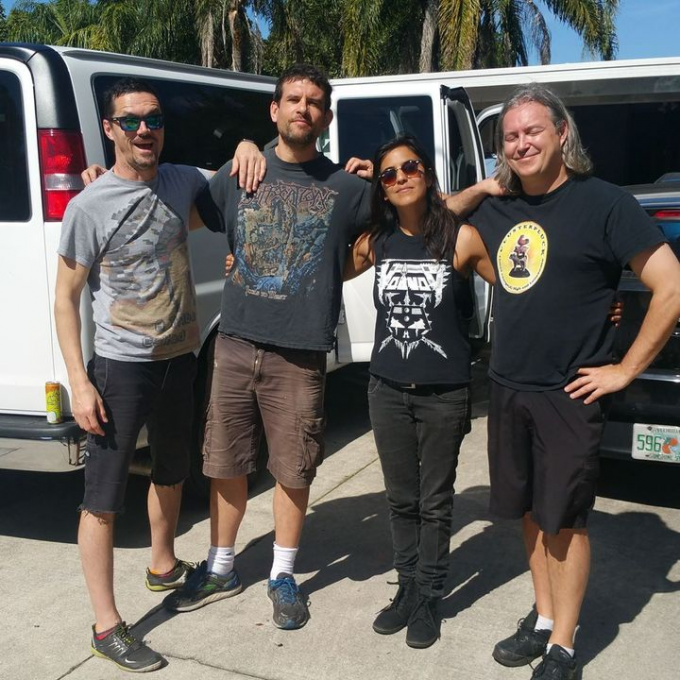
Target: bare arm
column 471, row 254
column 195, row 220
column 249, row 164
column 465, row 201
column 659, row 270
column 360, row 258
column 87, row 404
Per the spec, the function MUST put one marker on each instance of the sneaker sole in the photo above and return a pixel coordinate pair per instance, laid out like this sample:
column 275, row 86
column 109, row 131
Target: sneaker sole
column 146, row 669
column 515, row 662
column 387, row 631
column 222, row 595
column 290, row 625
column 421, row 645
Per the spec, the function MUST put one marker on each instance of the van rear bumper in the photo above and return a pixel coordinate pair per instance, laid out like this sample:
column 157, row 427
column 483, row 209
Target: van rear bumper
column 37, row 428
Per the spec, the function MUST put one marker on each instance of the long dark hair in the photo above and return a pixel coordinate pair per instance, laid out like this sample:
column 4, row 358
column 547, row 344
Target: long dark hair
column 440, row 226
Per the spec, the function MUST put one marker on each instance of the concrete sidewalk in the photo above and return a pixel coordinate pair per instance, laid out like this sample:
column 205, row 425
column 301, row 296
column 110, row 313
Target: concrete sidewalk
column 344, row 566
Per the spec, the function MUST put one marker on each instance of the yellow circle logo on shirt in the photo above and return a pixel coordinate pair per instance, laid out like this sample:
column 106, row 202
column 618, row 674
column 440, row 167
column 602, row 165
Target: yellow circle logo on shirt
column 521, row 257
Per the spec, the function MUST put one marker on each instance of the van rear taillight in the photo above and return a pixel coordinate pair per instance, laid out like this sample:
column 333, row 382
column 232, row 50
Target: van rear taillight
column 62, row 159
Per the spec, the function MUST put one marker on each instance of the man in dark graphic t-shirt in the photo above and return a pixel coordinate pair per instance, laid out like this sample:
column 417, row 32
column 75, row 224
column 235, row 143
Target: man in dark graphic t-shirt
column 559, row 240
column 280, row 307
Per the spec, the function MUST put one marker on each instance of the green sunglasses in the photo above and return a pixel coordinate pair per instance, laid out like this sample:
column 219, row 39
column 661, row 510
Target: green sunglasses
column 133, row 123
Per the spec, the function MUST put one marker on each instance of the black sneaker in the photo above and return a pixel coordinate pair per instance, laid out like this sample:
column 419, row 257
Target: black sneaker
column 173, row 579
column 128, row 653
column 524, row 646
column 203, row 587
column 557, row 664
column 290, row 608
column 423, row 624
column 395, row 616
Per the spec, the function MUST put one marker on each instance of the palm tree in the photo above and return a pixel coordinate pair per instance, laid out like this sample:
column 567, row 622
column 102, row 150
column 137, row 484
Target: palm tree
column 3, row 24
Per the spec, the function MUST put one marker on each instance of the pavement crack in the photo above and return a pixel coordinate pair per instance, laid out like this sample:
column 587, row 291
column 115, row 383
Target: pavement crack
column 236, row 671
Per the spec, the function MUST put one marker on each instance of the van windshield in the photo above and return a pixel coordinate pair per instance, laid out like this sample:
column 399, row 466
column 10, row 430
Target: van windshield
column 15, row 205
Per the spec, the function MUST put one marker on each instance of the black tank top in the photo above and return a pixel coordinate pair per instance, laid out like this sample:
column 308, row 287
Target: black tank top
column 420, row 335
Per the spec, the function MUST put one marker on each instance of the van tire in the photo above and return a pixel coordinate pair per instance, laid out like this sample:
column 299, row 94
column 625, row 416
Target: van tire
column 198, row 483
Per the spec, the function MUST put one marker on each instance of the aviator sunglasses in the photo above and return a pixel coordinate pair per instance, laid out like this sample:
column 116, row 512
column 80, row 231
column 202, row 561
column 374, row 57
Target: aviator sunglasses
column 133, row 123
column 410, row 168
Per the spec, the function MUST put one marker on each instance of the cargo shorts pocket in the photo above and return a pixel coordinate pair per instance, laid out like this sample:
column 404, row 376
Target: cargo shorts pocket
column 313, row 444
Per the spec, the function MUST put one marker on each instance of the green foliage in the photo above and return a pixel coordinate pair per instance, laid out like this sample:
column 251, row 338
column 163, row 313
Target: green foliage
column 344, row 37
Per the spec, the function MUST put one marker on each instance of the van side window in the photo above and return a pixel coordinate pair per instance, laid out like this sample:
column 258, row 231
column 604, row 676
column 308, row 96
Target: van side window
column 15, row 204
column 203, row 123
column 365, row 124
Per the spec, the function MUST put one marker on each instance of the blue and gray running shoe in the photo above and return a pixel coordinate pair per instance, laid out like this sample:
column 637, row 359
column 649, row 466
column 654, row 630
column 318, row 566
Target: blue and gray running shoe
column 290, row 608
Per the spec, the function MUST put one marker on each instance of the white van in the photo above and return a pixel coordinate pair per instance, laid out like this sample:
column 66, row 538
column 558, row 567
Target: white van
column 50, row 129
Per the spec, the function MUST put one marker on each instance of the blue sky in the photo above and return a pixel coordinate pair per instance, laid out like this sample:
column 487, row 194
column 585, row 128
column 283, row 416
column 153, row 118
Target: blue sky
column 645, row 28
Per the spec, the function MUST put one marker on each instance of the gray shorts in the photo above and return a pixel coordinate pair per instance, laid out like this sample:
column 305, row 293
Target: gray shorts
column 256, row 387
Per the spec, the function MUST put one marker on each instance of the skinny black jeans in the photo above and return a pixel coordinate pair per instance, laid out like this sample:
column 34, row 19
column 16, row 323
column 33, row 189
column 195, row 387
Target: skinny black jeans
column 418, row 433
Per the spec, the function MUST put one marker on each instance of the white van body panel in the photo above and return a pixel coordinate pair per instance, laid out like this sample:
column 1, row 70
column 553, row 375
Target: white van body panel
column 27, row 356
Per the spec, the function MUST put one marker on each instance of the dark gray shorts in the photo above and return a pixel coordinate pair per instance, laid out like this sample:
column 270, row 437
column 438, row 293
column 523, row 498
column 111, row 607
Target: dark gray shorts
column 543, row 456
column 156, row 393
column 256, row 386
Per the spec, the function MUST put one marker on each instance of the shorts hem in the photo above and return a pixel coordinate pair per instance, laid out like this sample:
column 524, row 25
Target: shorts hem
column 291, row 481
column 213, row 471
column 181, row 480
column 91, row 511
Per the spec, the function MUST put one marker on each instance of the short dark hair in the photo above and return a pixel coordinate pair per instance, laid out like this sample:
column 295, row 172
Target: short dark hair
column 125, row 86
column 304, row 72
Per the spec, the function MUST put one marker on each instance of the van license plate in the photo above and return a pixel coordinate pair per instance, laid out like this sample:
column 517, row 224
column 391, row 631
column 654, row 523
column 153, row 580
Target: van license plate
column 656, row 442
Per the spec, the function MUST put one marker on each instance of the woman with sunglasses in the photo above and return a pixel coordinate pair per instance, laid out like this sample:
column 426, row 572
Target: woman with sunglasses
column 418, row 394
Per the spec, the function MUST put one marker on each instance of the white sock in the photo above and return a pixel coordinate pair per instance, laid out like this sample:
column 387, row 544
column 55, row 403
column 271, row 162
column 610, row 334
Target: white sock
column 284, row 561
column 568, row 650
column 544, row 624
column 220, row 560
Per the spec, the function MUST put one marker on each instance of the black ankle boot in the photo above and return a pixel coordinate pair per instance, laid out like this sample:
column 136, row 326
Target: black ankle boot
column 396, row 615
column 424, row 623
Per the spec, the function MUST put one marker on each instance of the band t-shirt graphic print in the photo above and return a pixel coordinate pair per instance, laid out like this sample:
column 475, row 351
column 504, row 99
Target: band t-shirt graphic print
column 419, row 336
column 281, row 234
column 409, row 290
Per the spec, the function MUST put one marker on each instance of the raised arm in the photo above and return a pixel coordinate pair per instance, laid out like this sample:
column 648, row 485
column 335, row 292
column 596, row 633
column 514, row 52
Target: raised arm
column 360, row 258
column 465, row 201
column 87, row 404
column 659, row 270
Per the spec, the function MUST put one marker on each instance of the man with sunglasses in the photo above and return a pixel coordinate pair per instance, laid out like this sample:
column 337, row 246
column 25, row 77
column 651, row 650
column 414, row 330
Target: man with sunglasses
column 280, row 308
column 126, row 236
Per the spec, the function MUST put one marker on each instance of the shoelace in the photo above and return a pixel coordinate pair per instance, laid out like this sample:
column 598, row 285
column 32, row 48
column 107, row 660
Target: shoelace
column 123, row 632
column 286, row 589
column 423, row 612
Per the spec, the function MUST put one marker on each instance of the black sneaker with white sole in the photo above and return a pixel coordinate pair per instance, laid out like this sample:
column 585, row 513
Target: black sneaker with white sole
column 524, row 646
column 128, row 653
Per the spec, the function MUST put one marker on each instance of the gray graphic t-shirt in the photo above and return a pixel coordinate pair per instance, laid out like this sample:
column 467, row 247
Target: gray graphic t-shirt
column 133, row 237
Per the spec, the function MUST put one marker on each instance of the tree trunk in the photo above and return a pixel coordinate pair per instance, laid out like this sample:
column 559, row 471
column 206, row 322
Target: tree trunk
column 235, row 30
column 427, row 39
column 206, row 38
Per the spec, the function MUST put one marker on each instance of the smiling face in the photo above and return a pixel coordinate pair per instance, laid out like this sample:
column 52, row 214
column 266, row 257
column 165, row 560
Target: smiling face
column 301, row 114
column 137, row 153
column 533, row 147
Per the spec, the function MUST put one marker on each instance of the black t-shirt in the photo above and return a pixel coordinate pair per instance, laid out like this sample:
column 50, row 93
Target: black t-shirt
column 558, row 260
column 420, row 336
column 289, row 241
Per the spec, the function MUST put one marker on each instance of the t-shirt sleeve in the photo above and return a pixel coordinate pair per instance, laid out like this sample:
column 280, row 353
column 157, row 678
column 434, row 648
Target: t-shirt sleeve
column 79, row 238
column 630, row 230
column 213, row 199
column 362, row 218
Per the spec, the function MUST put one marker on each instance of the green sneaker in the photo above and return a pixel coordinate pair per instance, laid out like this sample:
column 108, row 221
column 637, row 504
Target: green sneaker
column 128, row 653
column 173, row 579
column 203, row 587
